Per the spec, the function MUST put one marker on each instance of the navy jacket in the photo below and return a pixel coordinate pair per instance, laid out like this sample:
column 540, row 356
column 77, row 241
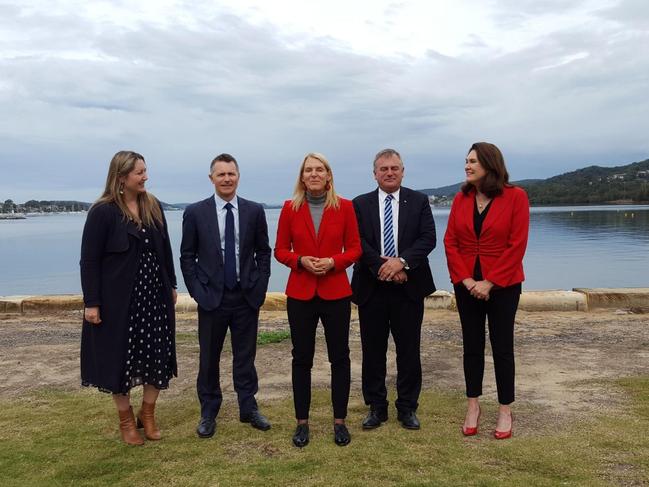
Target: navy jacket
column 201, row 260
column 110, row 251
column 416, row 240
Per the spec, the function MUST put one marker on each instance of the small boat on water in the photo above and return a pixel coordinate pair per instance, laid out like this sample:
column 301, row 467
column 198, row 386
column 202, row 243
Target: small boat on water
column 12, row 216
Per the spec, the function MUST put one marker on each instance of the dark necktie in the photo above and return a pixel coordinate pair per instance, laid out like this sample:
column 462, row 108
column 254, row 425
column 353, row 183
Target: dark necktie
column 388, row 229
column 230, row 253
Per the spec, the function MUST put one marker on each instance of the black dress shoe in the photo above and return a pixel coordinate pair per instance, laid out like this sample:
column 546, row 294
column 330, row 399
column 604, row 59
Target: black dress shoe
column 256, row 420
column 301, row 435
column 341, row 435
column 409, row 420
column 374, row 418
column 206, row 428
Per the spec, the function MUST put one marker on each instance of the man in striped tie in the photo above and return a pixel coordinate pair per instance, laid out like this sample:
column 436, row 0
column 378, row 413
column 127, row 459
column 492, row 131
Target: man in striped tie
column 390, row 283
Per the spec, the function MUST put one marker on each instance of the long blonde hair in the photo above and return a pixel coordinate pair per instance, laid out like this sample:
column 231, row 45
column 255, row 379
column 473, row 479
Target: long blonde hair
column 299, row 193
column 148, row 206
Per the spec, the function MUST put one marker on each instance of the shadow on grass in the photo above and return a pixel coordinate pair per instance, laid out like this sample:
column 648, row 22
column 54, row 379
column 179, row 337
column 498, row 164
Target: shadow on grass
column 56, row 438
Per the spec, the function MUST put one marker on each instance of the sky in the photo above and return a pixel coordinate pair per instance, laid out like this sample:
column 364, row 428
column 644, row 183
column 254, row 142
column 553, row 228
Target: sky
column 557, row 85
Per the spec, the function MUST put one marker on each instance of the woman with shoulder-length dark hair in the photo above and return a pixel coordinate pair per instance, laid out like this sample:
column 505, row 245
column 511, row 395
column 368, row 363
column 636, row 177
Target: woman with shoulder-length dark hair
column 317, row 237
column 485, row 243
column 128, row 282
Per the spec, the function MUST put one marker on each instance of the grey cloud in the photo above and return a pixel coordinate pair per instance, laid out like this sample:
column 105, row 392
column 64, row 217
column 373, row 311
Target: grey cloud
column 181, row 94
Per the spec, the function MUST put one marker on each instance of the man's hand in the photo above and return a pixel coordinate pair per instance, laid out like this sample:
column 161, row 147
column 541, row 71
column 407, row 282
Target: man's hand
column 91, row 315
column 400, row 277
column 389, row 269
column 174, row 296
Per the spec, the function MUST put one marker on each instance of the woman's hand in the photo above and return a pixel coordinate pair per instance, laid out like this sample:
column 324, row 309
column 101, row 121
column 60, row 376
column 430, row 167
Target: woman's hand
column 174, row 295
column 481, row 290
column 310, row 263
column 325, row 264
column 469, row 283
column 91, row 315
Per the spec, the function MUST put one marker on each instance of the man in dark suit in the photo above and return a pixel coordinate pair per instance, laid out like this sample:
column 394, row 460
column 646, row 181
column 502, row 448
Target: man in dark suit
column 389, row 284
column 225, row 261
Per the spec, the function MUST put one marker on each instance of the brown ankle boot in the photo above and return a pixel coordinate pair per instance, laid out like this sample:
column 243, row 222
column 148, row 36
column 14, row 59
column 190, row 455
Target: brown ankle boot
column 129, row 433
column 146, row 420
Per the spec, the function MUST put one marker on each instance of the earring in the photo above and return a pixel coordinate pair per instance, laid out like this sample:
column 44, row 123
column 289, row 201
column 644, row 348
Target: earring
column 121, row 188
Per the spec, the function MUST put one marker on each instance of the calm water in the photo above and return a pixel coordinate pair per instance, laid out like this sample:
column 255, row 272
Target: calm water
column 595, row 246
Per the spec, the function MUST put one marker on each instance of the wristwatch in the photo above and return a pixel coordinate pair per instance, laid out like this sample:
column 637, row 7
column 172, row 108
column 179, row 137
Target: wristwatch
column 405, row 264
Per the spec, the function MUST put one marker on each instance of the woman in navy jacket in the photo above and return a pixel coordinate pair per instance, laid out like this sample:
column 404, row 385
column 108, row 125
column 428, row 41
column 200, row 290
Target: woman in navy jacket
column 485, row 243
column 128, row 283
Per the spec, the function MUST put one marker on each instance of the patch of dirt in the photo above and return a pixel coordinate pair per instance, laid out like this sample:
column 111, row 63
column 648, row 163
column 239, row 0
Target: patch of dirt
column 562, row 359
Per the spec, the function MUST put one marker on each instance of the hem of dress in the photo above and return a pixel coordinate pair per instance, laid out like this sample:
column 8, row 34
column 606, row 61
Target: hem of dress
column 123, row 393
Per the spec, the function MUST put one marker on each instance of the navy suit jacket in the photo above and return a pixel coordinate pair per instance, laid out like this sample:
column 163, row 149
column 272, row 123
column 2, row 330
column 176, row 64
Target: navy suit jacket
column 416, row 239
column 201, row 260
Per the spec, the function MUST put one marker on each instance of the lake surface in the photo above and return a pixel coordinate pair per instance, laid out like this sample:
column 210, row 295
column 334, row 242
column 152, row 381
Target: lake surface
column 588, row 246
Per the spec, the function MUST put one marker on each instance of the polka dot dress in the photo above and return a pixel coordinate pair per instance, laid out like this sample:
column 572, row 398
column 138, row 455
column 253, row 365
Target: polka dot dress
column 149, row 350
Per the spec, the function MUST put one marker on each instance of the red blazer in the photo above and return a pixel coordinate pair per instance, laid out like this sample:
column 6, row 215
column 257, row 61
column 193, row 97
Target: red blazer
column 502, row 243
column 337, row 238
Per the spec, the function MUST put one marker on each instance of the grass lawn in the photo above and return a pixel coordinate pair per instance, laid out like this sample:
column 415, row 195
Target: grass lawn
column 56, row 438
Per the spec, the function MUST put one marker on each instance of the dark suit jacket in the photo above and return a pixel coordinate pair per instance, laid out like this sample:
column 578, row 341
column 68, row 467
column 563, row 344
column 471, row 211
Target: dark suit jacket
column 416, row 239
column 503, row 238
column 201, row 260
column 337, row 238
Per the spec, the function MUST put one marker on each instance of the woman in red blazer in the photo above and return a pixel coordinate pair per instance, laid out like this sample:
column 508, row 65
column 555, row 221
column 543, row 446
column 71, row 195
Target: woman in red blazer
column 317, row 237
column 485, row 243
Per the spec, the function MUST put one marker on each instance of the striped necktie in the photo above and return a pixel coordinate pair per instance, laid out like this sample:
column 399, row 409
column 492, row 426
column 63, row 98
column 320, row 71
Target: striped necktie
column 388, row 230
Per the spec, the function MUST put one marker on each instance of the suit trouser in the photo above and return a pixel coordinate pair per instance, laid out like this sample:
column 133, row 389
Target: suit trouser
column 303, row 319
column 391, row 310
column 234, row 313
column 501, row 311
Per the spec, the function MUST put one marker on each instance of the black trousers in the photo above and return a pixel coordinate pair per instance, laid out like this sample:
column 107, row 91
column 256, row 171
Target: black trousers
column 234, row 313
column 500, row 310
column 303, row 319
column 390, row 310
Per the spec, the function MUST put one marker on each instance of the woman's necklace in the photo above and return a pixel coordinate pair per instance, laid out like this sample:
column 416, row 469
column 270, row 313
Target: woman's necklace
column 482, row 204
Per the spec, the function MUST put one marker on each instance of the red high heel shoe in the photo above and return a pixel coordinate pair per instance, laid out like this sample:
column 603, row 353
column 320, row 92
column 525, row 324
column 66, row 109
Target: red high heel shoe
column 472, row 430
column 503, row 435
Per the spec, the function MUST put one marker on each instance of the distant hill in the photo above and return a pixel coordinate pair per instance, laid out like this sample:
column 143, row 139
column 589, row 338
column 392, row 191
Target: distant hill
column 590, row 185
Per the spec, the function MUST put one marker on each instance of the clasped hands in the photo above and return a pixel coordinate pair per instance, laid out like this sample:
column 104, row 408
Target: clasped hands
column 478, row 289
column 392, row 270
column 318, row 266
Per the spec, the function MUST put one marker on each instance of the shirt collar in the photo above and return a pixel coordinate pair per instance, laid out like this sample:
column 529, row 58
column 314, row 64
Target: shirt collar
column 383, row 195
column 220, row 202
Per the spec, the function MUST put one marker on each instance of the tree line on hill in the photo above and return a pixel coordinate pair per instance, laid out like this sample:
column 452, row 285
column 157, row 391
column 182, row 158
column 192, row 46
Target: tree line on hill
column 590, row 185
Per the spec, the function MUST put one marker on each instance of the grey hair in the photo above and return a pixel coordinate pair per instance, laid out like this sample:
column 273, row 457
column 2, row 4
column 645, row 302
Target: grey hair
column 387, row 153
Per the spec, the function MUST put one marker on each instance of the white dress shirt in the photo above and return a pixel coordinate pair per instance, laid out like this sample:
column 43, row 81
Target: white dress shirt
column 221, row 212
column 395, row 217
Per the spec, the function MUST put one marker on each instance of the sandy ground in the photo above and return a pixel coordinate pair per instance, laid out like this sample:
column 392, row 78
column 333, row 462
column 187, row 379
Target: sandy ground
column 561, row 358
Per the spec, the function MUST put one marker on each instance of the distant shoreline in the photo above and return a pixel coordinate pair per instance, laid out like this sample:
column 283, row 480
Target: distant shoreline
column 23, row 216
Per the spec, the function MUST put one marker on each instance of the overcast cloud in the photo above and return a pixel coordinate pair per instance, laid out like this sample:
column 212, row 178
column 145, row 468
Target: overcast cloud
column 557, row 85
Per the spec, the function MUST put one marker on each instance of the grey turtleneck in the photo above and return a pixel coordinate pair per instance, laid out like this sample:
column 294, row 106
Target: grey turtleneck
column 316, row 205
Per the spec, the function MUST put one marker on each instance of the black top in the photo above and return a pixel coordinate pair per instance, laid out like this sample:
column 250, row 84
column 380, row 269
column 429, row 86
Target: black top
column 478, row 220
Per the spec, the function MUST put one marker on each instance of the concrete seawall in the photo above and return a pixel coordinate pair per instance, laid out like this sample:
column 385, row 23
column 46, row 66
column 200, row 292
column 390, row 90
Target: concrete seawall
column 579, row 299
